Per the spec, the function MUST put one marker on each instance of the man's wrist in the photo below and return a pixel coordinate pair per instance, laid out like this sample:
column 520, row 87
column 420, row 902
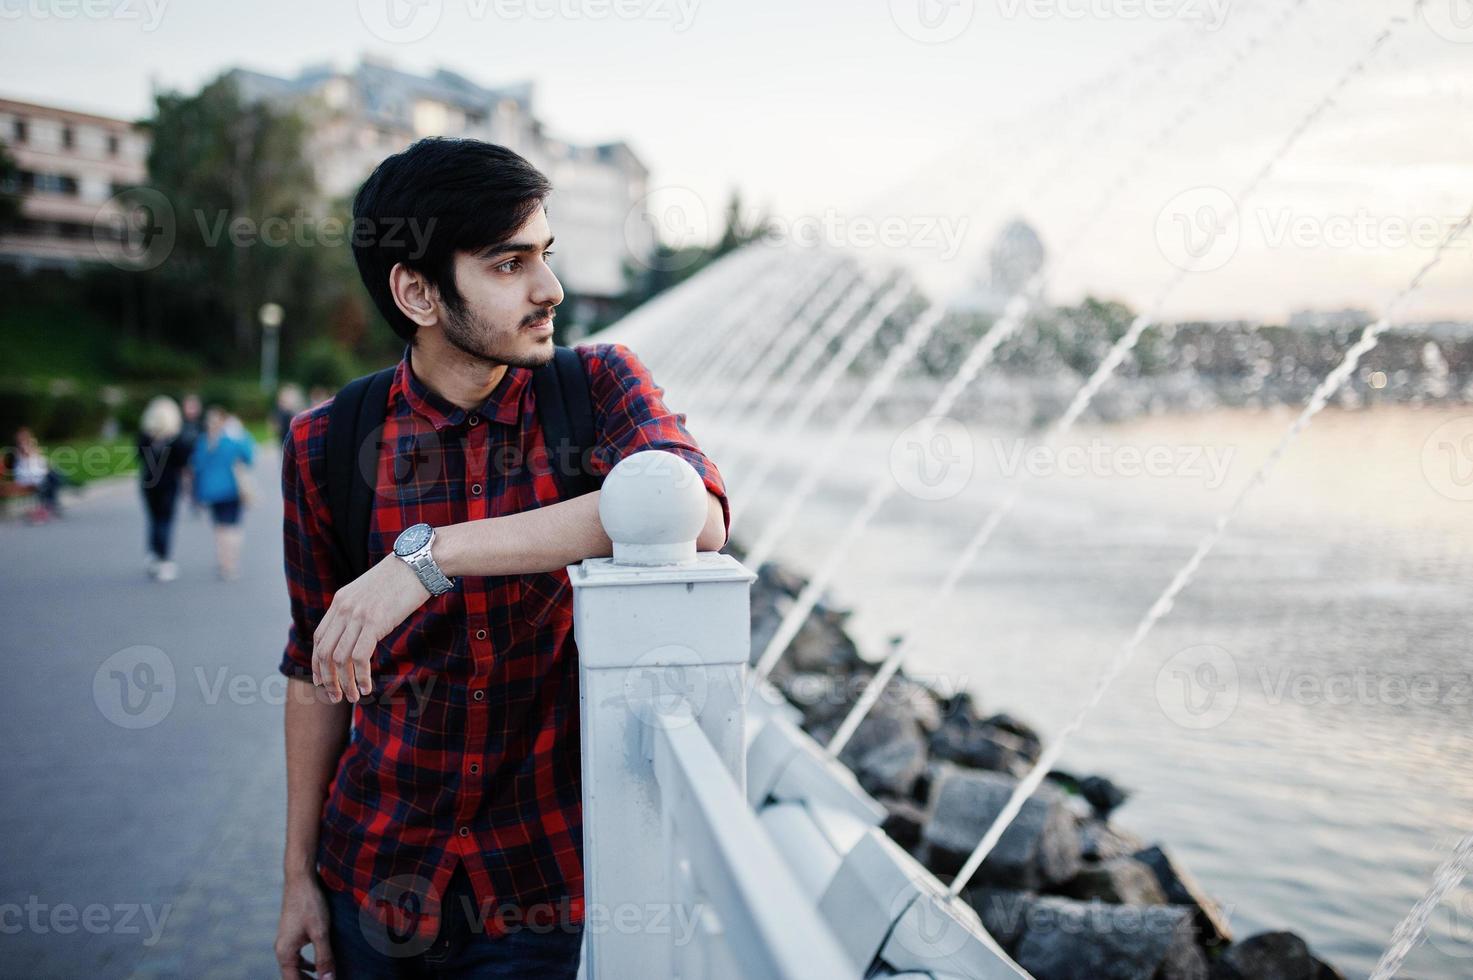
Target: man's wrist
column 447, row 549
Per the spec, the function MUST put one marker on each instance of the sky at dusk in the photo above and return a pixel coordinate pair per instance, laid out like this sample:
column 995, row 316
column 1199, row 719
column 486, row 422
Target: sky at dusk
column 912, row 129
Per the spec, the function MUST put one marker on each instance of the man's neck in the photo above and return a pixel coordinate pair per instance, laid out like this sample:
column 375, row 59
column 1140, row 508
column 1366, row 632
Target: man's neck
column 452, row 374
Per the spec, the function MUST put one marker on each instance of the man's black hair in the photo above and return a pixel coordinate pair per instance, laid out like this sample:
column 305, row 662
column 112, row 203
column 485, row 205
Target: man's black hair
column 431, row 200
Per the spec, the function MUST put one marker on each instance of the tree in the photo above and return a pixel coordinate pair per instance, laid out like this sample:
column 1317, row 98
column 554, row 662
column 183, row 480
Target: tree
column 241, row 191
column 9, row 189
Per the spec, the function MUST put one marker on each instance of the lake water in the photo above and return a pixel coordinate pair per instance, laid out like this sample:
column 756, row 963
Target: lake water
column 1297, row 730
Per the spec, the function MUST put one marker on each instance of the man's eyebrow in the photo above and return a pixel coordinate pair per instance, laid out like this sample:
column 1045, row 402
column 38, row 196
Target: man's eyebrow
column 509, row 247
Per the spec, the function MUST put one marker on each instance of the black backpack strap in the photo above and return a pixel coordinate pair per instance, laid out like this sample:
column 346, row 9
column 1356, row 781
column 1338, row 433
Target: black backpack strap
column 356, row 414
column 565, row 409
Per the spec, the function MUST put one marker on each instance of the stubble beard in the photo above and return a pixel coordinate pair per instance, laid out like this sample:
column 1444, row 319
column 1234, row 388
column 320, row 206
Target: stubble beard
column 474, row 337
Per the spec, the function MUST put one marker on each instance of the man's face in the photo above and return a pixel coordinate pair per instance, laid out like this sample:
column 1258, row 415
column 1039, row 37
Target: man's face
column 509, row 292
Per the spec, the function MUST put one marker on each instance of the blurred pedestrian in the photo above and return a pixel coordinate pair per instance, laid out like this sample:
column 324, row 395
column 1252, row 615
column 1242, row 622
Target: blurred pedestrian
column 30, row 469
column 192, row 431
column 163, row 458
column 220, row 482
column 289, row 401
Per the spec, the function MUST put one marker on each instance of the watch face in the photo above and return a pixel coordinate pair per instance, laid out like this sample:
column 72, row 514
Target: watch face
column 413, row 539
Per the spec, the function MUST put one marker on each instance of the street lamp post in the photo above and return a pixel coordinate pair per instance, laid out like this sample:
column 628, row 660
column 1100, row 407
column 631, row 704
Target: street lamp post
column 270, row 316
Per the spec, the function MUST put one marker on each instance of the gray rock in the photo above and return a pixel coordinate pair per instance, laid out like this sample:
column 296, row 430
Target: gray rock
column 1182, row 889
column 903, row 821
column 1272, row 956
column 886, row 753
column 1102, row 794
column 1003, row 912
column 1119, row 881
column 1039, row 849
column 1101, row 841
column 1069, row 940
column 1021, row 729
column 981, row 747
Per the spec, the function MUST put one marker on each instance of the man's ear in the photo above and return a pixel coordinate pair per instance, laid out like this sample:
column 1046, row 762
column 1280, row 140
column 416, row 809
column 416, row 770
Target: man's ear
column 414, row 295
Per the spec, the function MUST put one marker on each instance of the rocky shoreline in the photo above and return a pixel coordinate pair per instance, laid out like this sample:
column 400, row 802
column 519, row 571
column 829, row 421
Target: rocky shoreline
column 1069, row 894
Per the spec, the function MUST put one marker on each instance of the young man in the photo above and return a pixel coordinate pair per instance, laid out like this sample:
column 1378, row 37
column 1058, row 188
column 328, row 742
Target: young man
column 446, row 836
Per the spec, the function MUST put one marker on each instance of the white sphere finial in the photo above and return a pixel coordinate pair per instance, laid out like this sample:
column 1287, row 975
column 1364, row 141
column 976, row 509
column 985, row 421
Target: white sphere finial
column 653, row 507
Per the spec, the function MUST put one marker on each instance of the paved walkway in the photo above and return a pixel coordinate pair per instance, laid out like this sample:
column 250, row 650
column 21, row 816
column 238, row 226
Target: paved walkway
column 143, row 784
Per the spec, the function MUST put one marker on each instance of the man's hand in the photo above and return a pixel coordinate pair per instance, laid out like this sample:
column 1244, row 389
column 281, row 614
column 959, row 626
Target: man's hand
column 362, row 612
column 304, row 919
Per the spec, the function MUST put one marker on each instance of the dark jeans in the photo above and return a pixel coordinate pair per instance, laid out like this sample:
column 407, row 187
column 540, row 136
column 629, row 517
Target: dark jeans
column 160, row 503
column 461, row 951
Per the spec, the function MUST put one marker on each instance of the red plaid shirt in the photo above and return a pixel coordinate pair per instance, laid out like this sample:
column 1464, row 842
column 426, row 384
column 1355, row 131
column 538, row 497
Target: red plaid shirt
column 467, row 750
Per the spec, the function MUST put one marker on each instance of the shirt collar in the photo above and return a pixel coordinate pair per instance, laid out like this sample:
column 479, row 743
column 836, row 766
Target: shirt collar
column 504, row 404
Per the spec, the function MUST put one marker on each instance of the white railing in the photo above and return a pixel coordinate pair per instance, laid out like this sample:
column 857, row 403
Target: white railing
column 690, row 870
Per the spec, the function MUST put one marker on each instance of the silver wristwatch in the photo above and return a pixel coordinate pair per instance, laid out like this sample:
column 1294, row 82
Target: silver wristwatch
column 413, row 546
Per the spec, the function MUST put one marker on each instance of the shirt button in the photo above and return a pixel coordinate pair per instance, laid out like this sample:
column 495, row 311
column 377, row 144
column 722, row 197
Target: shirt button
column 480, row 634
column 475, row 768
column 475, row 420
column 476, row 489
column 479, row 695
column 465, row 831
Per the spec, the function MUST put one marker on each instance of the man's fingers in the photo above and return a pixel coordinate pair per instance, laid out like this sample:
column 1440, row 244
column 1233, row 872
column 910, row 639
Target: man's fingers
column 346, row 682
column 322, row 949
column 363, row 660
column 331, row 629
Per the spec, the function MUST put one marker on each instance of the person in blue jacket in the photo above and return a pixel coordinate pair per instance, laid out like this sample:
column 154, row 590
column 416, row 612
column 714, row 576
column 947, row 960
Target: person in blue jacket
column 220, row 457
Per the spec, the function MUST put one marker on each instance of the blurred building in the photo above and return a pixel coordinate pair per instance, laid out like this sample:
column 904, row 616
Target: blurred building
column 70, row 165
column 361, row 115
column 1016, row 256
column 1350, row 318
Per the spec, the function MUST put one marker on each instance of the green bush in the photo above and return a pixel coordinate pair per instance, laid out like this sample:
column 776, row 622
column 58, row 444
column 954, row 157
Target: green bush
column 137, row 360
column 324, row 364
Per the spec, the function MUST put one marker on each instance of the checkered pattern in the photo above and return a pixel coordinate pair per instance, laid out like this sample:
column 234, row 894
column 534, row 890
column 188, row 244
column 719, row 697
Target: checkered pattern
column 468, row 748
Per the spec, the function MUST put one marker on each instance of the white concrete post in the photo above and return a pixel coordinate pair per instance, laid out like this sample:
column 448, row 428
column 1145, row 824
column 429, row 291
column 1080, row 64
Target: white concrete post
column 657, row 625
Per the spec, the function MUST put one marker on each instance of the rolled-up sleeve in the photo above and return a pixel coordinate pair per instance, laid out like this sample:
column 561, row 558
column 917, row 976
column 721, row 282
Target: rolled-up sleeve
column 310, row 581
column 630, row 411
